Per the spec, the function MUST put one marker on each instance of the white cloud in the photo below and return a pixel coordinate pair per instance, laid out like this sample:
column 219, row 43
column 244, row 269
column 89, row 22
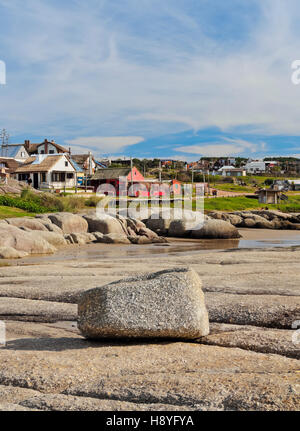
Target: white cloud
column 81, row 70
column 101, row 144
column 233, row 147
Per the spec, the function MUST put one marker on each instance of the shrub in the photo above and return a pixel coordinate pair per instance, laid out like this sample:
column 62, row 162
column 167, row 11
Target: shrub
column 92, row 201
column 19, row 202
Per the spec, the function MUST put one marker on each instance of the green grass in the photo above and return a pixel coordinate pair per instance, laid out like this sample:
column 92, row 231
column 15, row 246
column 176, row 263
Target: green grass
column 234, row 188
column 243, row 203
column 8, row 212
column 239, row 203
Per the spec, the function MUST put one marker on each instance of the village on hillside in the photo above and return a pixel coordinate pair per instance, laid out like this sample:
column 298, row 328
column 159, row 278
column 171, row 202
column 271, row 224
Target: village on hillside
column 50, row 167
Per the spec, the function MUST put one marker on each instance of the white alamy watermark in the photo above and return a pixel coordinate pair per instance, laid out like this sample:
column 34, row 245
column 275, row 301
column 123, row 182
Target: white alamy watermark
column 2, row 333
column 142, row 200
column 296, row 334
column 2, row 73
column 295, row 78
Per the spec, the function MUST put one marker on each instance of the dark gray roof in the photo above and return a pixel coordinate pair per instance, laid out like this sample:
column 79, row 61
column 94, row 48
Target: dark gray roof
column 111, row 173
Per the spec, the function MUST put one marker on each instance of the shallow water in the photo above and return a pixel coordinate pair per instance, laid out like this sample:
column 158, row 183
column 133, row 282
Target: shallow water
column 251, row 239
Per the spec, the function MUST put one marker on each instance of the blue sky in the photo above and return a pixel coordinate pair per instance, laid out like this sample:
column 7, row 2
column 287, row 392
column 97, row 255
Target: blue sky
column 153, row 78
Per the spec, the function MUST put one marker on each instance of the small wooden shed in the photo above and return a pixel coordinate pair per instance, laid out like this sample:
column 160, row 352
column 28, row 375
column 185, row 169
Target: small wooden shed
column 268, row 196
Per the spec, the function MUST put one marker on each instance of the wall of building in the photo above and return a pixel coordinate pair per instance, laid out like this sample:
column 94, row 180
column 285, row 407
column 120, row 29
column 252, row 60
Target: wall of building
column 42, row 149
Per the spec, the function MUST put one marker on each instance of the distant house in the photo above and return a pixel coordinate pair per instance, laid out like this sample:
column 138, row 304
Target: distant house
column 112, row 176
column 255, row 167
column 230, row 171
column 8, row 167
column 268, row 196
column 85, row 162
column 141, row 186
column 17, row 152
column 48, row 171
column 46, row 147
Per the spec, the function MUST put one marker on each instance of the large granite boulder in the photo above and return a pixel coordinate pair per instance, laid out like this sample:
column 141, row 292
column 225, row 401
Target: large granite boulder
column 53, row 238
column 11, row 253
column 69, row 223
column 48, row 223
column 113, row 238
column 168, row 304
column 179, row 229
column 257, row 221
column 216, row 229
column 83, row 238
column 105, row 224
column 28, row 222
column 30, row 242
column 175, row 222
column 159, row 225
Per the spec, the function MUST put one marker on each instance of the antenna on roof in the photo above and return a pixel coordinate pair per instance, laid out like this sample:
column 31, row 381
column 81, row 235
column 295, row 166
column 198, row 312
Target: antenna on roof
column 4, row 137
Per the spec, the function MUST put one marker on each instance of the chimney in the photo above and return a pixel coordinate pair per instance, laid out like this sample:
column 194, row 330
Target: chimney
column 26, row 144
column 70, row 150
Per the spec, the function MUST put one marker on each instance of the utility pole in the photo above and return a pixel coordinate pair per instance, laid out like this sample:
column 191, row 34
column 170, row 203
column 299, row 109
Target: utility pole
column 90, row 164
column 131, row 173
column 160, row 171
column 208, row 185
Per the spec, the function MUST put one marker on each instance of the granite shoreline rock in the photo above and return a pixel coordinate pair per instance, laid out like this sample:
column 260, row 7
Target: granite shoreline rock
column 167, row 304
column 42, row 234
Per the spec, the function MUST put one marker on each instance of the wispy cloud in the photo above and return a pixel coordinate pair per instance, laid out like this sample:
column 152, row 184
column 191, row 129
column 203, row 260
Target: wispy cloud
column 102, row 144
column 229, row 148
column 146, row 68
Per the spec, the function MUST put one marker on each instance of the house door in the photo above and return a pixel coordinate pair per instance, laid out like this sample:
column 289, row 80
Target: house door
column 36, row 180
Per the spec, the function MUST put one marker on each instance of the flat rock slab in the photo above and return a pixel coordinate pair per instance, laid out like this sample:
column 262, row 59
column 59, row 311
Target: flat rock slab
column 263, row 340
column 259, row 310
column 168, row 304
column 38, row 311
column 55, row 367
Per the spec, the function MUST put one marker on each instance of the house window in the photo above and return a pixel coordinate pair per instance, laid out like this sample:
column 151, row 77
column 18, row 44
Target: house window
column 70, row 175
column 51, row 152
column 66, row 164
column 42, row 152
column 43, row 177
column 58, row 177
column 23, row 177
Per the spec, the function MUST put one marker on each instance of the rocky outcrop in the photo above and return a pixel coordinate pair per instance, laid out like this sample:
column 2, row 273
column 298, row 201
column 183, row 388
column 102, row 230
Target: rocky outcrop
column 192, row 225
column 43, row 233
column 28, row 222
column 69, row 223
column 53, row 238
column 168, row 304
column 114, row 238
column 82, row 238
column 29, row 242
column 105, row 224
column 265, row 219
column 236, row 367
column 216, row 229
column 11, row 253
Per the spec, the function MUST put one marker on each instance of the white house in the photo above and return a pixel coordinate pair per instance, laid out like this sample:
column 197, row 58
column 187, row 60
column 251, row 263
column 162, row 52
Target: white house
column 47, row 171
column 230, row 171
column 46, row 147
column 17, row 152
column 255, row 167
